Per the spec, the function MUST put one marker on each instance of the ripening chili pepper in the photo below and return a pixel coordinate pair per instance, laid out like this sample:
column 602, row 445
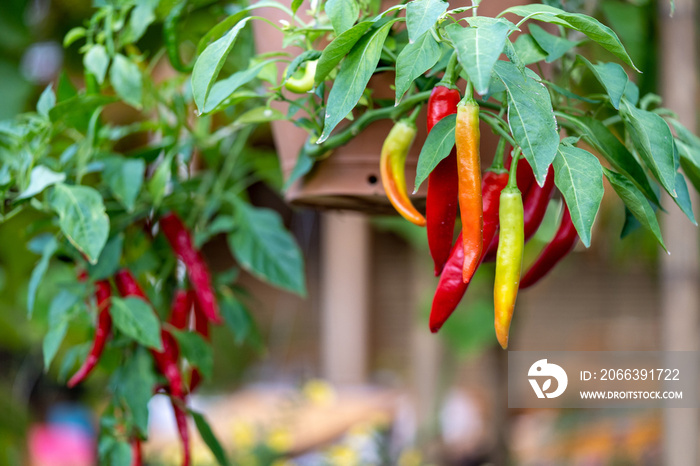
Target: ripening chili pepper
column 509, row 258
column 180, row 240
column 103, row 294
column 467, row 139
column 171, row 41
column 392, row 164
column 181, row 422
column 306, row 82
column 180, row 313
column 562, row 244
column 441, row 201
column 535, row 203
column 451, row 287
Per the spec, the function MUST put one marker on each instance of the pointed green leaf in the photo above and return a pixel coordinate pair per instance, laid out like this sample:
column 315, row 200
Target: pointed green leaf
column 59, row 316
column 530, row 117
column 437, row 146
column 134, row 317
column 591, row 27
column 132, row 383
column 528, row 50
column 96, row 62
column 264, row 248
column 124, row 178
column 197, row 351
column 353, row 77
column 82, row 218
column 414, row 60
column 636, row 202
column 595, row 133
column 336, row 50
column 40, row 179
column 126, row 79
column 46, row 102
column 555, row 46
column 683, row 198
column 613, row 78
column 209, row 63
column 653, row 140
column 210, row 439
column 222, row 90
column 342, row 13
column 421, row 15
column 579, row 176
column 48, row 246
column 478, row 49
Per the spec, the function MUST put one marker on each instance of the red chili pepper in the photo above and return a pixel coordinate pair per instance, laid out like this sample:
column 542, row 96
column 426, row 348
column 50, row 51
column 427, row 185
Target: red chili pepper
column 180, row 240
column 451, row 287
column 181, row 421
column 103, row 294
column 182, row 303
column 535, row 204
column 201, row 326
column 136, row 455
column 442, row 201
column 562, row 244
column 166, row 360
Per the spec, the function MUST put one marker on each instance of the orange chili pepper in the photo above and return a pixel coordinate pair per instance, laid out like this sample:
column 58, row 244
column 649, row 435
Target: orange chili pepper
column 469, row 192
column 392, row 162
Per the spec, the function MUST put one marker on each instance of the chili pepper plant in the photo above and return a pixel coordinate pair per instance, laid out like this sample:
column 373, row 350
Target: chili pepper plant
column 126, row 203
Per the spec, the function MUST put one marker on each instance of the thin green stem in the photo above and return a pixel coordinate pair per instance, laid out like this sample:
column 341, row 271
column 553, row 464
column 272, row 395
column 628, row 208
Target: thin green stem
column 450, row 76
column 498, row 162
column 414, row 114
column 513, row 175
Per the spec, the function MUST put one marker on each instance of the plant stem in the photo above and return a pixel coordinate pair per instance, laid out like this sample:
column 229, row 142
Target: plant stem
column 513, row 176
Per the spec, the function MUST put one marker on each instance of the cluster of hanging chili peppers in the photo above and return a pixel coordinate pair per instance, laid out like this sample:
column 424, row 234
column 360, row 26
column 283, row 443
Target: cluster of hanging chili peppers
column 499, row 211
column 197, row 307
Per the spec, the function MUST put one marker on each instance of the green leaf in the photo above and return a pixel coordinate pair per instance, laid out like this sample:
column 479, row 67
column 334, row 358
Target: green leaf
column 613, row 78
column 579, row 176
column 140, row 19
column 48, row 246
column 653, row 140
column 530, row 117
column 40, row 179
column 74, row 34
column 160, row 179
column 260, row 115
column 237, row 318
column 631, row 93
column 421, row 15
column 478, row 49
column 126, row 79
column 528, row 50
column 82, row 218
column 353, row 77
column 75, row 111
column 342, row 13
column 124, row 178
column 299, row 60
column 415, row 59
column 595, row 133
column 683, row 198
column 120, row 454
column 96, row 62
column 46, row 102
column 437, row 146
column 197, row 351
column 134, row 317
column 132, row 383
column 264, row 248
column 223, row 89
column 636, row 202
column 59, row 317
column 108, row 262
column 209, row 63
column 337, row 49
column 209, row 438
column 591, row 27
column 690, row 162
column 555, row 46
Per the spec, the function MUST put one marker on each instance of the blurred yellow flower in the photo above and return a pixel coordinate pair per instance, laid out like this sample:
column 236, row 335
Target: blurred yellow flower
column 283, row 463
column 342, row 455
column 201, row 454
column 279, row 440
column 243, row 435
column 410, row 457
column 319, row 392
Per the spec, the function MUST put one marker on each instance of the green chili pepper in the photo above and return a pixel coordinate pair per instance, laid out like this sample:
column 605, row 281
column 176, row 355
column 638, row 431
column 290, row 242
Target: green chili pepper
column 509, row 258
column 306, row 82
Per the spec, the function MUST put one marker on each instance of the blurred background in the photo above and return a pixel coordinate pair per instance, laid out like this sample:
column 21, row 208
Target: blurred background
column 352, row 374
